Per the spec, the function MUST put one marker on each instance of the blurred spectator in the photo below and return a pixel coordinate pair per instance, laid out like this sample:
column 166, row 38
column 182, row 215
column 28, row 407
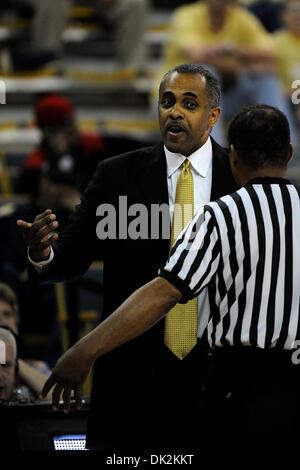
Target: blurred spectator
column 73, row 156
column 8, row 369
column 129, row 20
column 20, row 381
column 267, row 11
column 8, row 307
column 32, row 373
column 232, row 42
column 55, row 174
column 48, row 21
column 56, row 188
column 287, row 42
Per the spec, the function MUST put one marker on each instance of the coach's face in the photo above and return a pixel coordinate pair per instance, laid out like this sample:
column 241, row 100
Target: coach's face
column 185, row 117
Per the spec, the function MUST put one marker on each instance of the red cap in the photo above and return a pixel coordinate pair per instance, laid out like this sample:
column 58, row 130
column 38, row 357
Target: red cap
column 53, row 110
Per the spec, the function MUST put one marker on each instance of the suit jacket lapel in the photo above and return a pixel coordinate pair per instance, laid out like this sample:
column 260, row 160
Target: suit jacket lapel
column 222, row 179
column 152, row 176
column 153, row 186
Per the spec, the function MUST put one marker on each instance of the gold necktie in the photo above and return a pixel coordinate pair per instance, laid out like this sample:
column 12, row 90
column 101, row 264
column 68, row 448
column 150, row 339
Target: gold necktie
column 181, row 321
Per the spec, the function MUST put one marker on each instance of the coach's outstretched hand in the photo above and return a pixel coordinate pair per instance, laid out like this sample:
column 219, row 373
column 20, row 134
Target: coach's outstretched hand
column 40, row 234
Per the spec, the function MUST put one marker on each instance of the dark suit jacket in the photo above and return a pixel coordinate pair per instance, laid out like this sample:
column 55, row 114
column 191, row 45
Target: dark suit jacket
column 135, row 391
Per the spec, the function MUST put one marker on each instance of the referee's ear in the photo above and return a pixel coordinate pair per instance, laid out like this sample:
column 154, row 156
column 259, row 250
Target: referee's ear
column 235, row 167
column 291, row 153
column 233, row 156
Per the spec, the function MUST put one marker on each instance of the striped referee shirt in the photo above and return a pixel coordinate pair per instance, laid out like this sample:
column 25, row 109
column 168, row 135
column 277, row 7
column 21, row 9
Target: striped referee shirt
column 245, row 247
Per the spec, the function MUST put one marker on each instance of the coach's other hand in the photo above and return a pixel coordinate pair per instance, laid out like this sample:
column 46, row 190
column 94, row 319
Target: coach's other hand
column 40, row 234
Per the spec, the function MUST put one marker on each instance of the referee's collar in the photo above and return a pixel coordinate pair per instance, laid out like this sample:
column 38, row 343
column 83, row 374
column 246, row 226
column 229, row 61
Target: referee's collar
column 268, row 180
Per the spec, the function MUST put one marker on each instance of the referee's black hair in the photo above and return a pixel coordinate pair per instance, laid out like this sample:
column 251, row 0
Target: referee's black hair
column 261, row 136
column 213, row 88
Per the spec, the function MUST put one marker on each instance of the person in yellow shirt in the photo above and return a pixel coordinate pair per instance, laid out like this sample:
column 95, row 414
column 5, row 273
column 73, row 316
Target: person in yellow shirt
column 287, row 42
column 233, row 43
column 218, row 33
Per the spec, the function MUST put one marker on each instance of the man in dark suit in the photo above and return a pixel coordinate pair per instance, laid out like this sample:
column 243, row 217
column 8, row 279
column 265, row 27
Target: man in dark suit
column 142, row 384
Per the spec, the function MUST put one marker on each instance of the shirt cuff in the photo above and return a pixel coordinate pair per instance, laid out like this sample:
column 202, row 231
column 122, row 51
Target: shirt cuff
column 39, row 265
column 179, row 284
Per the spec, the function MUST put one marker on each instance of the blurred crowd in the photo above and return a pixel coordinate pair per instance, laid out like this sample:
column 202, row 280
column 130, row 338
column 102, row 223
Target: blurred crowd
column 126, row 19
column 252, row 46
column 254, row 52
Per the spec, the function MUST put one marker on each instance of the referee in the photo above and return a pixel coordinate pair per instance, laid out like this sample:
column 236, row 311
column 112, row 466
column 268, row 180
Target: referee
column 245, row 247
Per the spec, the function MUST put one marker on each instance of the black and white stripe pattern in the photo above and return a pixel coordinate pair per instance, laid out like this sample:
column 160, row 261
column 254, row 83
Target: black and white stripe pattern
column 246, row 248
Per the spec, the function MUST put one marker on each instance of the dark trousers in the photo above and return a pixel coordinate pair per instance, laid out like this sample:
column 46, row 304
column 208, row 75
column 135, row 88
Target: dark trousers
column 253, row 396
column 139, row 405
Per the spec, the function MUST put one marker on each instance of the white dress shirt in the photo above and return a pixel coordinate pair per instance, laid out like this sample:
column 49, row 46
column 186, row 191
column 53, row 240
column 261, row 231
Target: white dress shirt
column 201, row 168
